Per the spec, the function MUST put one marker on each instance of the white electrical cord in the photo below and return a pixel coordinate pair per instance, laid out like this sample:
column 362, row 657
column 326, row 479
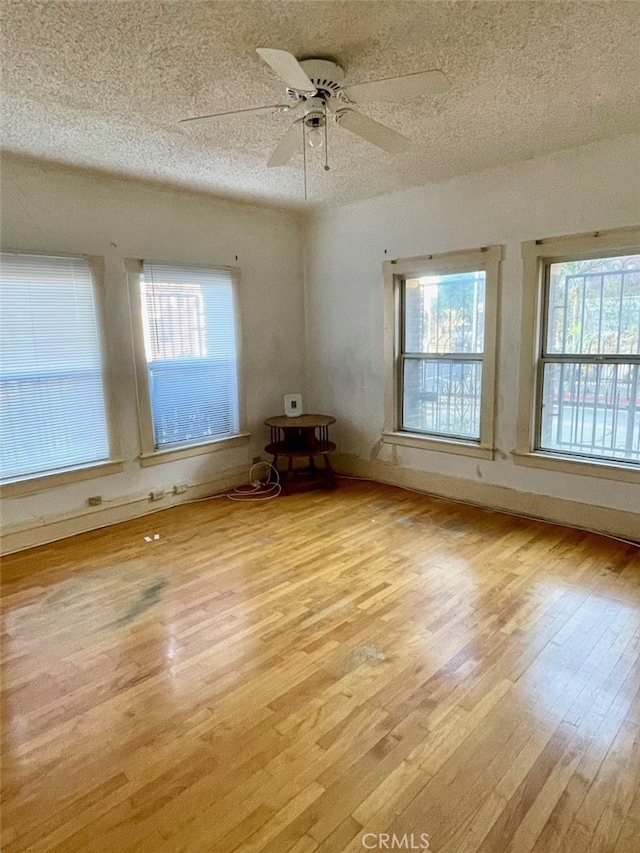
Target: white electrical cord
column 258, row 489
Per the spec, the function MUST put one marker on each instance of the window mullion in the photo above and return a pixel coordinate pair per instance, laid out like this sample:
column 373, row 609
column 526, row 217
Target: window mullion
column 446, row 356
column 584, row 358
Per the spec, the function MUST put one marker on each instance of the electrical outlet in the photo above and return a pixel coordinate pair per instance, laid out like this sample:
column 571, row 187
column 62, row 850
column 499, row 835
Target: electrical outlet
column 157, row 495
column 180, row 488
column 95, row 501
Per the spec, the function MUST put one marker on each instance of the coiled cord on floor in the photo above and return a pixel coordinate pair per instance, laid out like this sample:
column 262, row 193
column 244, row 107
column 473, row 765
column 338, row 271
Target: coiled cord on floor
column 258, row 488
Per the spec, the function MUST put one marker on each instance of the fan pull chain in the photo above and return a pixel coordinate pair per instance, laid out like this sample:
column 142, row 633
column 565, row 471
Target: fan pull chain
column 326, row 140
column 304, row 158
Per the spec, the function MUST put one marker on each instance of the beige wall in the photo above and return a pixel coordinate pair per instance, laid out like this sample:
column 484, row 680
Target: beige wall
column 591, row 188
column 46, row 209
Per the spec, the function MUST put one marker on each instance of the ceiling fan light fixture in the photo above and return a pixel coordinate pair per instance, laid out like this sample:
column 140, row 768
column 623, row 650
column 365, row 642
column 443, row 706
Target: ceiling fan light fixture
column 315, row 138
column 315, row 127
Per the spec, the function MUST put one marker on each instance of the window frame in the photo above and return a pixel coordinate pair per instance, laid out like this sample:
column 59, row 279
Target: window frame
column 537, row 256
column 487, row 259
column 150, row 454
column 29, row 484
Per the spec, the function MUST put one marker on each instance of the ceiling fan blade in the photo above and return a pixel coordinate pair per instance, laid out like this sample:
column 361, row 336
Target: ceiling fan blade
column 287, row 68
column 209, row 118
column 373, row 131
column 287, row 147
column 399, row 88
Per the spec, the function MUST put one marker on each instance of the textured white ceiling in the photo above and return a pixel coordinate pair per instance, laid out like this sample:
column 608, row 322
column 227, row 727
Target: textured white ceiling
column 102, row 85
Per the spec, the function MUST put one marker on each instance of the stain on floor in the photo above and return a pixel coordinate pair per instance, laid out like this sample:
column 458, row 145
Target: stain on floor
column 150, row 596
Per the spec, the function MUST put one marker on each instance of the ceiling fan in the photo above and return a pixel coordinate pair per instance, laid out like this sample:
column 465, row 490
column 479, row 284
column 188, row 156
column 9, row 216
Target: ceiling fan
column 316, row 86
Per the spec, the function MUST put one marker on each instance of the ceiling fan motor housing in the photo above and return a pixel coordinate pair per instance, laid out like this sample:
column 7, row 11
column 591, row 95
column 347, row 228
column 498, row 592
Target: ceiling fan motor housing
column 326, row 75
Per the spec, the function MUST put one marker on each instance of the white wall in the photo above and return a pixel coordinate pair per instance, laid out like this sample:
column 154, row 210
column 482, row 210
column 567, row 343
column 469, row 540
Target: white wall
column 591, row 188
column 47, row 209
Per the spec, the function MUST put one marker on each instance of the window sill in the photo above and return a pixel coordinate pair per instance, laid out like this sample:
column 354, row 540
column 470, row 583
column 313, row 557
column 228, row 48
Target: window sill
column 33, row 485
column 172, row 454
column 605, row 470
column 461, row 448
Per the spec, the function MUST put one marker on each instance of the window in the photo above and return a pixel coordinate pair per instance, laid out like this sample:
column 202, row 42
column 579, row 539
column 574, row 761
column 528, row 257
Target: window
column 444, row 311
column 590, row 358
column 53, row 415
column 441, row 353
column 190, row 382
column 584, row 295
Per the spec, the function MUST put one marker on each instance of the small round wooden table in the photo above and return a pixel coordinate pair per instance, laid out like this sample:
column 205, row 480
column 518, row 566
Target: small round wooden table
column 305, row 436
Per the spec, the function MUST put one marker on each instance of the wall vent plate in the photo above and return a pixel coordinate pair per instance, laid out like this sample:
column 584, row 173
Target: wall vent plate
column 292, row 405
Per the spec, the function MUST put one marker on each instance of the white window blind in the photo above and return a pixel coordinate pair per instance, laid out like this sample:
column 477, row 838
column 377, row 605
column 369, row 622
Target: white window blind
column 190, row 344
column 52, row 413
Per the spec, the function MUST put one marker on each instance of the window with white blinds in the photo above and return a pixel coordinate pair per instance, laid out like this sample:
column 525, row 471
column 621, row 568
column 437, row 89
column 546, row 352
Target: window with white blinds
column 190, row 344
column 52, row 405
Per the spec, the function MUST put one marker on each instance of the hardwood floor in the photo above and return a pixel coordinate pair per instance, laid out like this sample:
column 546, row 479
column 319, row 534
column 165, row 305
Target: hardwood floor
column 318, row 673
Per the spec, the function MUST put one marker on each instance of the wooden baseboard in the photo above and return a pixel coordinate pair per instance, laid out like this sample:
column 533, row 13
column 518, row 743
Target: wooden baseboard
column 50, row 529
column 614, row 522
